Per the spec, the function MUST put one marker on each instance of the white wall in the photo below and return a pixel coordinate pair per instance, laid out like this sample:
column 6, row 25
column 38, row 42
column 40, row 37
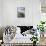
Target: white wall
column 9, row 13
column 1, row 18
column 43, row 11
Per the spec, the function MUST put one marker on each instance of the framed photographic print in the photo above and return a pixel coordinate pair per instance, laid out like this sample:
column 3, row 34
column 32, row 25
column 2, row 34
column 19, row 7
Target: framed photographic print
column 20, row 12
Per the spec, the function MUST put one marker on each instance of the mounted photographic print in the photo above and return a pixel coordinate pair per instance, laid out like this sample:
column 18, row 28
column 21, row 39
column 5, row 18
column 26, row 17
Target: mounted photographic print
column 20, row 12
